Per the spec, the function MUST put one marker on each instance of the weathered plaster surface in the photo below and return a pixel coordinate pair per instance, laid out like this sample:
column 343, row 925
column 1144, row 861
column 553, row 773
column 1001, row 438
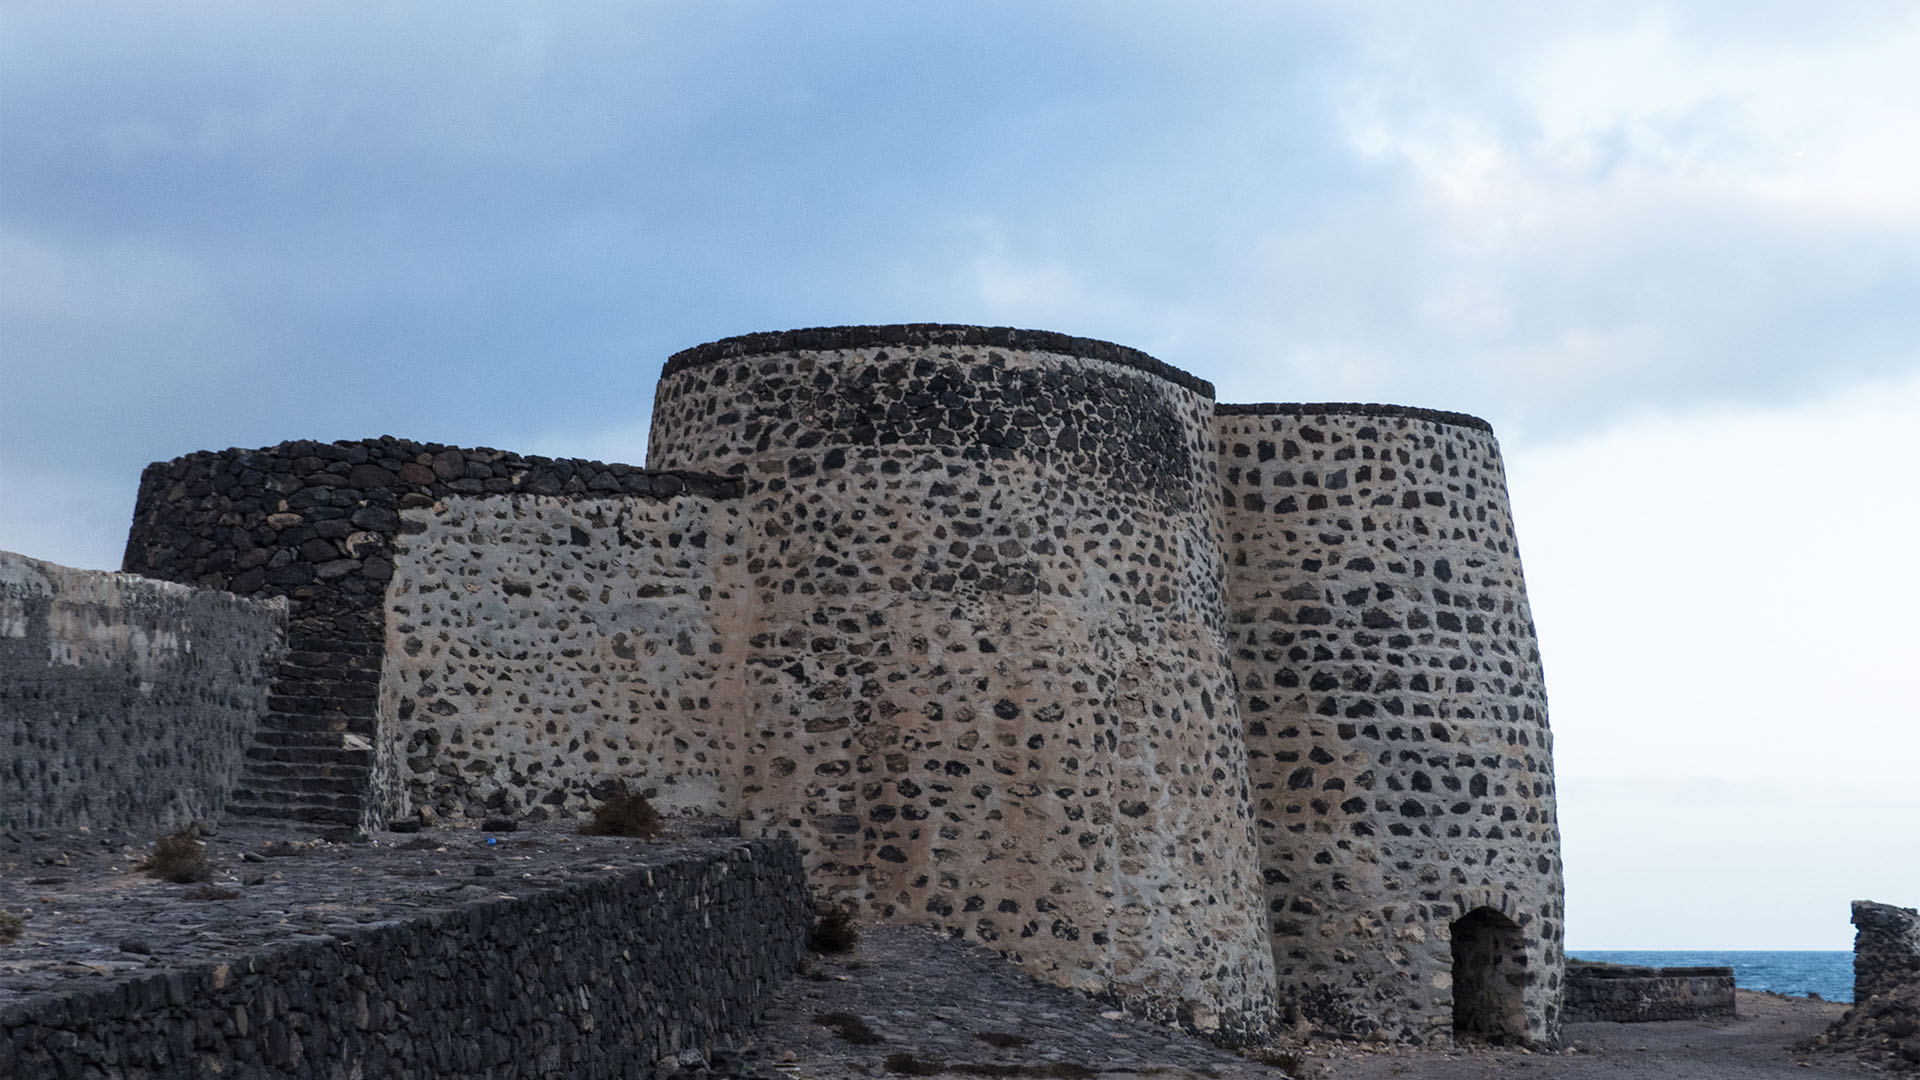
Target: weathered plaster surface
column 541, row 648
column 124, row 702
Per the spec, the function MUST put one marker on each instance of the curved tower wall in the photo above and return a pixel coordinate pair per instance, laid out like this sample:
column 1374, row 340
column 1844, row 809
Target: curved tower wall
column 987, row 679
column 1395, row 712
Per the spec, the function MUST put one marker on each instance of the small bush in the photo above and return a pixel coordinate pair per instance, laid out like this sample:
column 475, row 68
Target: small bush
column 624, row 813
column 905, row 1064
column 178, row 858
column 1280, row 1057
column 9, row 928
column 833, row 931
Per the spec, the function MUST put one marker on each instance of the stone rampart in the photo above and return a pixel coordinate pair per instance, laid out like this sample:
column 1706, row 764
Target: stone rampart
column 1625, row 994
column 986, row 681
column 626, row 972
column 318, row 524
column 125, row 702
column 1396, row 722
column 1013, row 631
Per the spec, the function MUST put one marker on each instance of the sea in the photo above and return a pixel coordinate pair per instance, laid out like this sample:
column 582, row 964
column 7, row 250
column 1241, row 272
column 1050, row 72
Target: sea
column 1801, row 974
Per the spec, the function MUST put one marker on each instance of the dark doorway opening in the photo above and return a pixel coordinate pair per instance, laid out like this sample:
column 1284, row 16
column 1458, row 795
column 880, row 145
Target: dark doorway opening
column 1489, row 977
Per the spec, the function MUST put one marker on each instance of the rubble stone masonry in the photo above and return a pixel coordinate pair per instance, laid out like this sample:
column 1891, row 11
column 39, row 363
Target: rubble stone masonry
column 1225, row 712
column 1396, row 720
column 125, row 702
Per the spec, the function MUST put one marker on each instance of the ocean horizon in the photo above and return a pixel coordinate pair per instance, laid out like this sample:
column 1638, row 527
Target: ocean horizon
column 1826, row 973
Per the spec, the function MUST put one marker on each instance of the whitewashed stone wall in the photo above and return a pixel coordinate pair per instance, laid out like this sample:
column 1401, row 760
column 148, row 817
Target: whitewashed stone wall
column 1396, row 722
column 541, row 648
column 987, row 681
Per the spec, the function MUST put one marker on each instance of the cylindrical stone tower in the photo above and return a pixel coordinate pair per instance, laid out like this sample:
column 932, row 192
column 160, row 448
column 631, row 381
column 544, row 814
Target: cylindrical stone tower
column 1396, row 722
column 988, row 680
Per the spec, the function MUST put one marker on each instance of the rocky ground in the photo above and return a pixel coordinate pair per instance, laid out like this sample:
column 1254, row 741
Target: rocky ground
column 906, row 1001
column 910, row 1001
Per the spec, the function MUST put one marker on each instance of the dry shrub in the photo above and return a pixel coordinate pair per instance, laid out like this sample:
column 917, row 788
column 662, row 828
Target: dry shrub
column 9, row 928
column 833, row 931
column 179, row 858
column 624, row 813
column 849, row 1027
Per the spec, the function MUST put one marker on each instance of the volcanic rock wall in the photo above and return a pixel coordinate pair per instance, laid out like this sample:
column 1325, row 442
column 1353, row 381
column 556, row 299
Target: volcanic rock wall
column 317, row 523
column 541, row 649
column 1625, row 994
column 1396, row 721
column 124, row 702
column 1010, row 630
column 987, row 680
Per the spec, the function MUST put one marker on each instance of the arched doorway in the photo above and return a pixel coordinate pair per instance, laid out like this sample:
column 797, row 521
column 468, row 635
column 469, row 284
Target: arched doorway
column 1489, row 976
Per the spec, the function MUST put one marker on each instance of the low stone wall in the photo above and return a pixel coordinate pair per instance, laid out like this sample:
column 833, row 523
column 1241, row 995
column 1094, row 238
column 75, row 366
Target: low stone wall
column 1630, row 995
column 125, row 702
column 620, row 972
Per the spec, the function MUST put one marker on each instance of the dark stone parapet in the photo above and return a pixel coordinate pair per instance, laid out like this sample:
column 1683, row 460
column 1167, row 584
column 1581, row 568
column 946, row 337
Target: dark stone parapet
column 1297, row 408
column 906, row 335
column 1625, row 994
column 618, row 971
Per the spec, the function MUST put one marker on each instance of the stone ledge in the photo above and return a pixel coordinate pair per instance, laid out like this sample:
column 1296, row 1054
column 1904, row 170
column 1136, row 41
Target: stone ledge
column 905, row 335
column 1401, row 412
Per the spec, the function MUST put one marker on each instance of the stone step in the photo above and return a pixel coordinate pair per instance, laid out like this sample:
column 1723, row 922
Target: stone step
column 299, row 722
column 269, row 735
column 319, row 756
column 355, row 786
column 268, row 796
column 294, row 814
column 358, row 770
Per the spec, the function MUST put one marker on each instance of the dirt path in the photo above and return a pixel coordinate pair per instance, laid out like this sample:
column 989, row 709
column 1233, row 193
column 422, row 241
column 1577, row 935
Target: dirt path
column 1757, row 1045
column 922, row 1001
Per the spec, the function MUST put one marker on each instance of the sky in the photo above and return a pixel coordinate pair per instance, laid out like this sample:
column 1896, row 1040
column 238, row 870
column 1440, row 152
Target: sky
column 1670, row 250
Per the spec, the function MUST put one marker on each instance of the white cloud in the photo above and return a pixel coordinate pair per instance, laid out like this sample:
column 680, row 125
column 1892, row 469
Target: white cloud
column 1724, row 601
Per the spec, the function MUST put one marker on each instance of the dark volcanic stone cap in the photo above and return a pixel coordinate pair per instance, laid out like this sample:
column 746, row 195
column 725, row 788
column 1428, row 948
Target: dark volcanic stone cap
column 824, row 338
column 1296, row 408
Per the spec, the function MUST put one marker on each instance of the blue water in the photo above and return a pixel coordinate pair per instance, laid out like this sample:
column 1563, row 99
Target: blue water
column 1829, row 974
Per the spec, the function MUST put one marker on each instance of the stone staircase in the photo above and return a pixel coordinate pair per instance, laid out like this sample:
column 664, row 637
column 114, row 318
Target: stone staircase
column 303, row 777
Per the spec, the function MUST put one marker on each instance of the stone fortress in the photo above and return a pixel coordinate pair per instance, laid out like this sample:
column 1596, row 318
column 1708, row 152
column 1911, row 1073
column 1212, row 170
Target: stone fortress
column 1233, row 713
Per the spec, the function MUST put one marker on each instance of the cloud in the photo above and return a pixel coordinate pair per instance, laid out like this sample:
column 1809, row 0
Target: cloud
column 490, row 222
column 1723, row 600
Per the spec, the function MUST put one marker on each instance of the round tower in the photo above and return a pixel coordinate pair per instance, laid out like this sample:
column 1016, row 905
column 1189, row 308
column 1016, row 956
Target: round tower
column 1396, row 722
column 987, row 681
